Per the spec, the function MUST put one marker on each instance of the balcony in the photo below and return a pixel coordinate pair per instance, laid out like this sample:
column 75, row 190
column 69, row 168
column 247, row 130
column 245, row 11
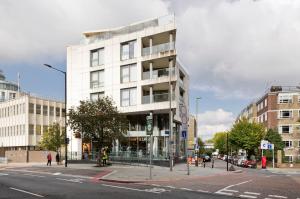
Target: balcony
column 97, row 84
column 158, row 73
column 158, row 49
column 164, row 97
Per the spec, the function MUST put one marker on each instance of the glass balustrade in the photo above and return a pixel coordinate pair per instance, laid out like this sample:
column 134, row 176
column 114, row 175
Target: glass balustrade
column 158, row 49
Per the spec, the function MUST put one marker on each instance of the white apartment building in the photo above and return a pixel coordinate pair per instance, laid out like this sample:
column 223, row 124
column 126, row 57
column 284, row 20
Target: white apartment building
column 8, row 90
column 24, row 119
column 133, row 65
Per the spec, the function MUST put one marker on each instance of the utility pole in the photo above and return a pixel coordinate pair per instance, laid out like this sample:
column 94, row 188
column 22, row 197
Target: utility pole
column 227, row 150
column 170, row 117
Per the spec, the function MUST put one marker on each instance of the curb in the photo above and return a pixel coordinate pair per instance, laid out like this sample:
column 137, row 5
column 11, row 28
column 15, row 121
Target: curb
column 120, row 181
column 237, row 171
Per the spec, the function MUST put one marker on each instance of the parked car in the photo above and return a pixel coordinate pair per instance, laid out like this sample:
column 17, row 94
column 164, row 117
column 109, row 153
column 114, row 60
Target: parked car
column 206, row 157
column 250, row 163
column 241, row 161
column 224, row 157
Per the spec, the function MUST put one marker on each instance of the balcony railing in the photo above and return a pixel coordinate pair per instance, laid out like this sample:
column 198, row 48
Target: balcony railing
column 158, row 48
column 157, row 98
column 158, row 73
column 97, row 84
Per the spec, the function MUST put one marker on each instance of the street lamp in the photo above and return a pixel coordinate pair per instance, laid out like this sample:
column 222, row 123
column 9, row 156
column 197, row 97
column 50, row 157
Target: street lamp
column 66, row 142
column 196, row 144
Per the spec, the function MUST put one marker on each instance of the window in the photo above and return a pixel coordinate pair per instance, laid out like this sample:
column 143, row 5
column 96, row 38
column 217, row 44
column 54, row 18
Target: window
column 57, row 111
column 38, row 129
column 285, row 129
column 63, row 112
column 284, row 99
column 51, row 111
column 96, row 96
column 97, row 79
column 266, row 102
column 128, row 73
column 287, row 144
column 31, row 129
column 128, row 97
column 31, row 108
column 128, row 50
column 45, row 110
column 38, row 109
column 285, row 114
column 97, row 57
column 288, row 159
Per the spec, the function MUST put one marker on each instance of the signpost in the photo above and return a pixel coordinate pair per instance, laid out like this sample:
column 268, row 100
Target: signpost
column 149, row 130
column 264, row 144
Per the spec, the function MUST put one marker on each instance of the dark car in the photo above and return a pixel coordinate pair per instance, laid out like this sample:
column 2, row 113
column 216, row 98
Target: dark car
column 250, row 163
column 206, row 157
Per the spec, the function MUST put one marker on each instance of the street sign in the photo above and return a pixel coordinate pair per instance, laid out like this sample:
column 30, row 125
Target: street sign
column 167, row 132
column 183, row 134
column 270, row 146
column 264, row 144
column 149, row 124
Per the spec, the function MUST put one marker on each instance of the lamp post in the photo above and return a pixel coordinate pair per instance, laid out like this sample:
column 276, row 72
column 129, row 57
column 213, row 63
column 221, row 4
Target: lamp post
column 227, row 150
column 197, row 105
column 66, row 142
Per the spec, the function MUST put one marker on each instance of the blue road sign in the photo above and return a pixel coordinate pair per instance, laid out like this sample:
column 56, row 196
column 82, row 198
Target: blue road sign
column 183, row 134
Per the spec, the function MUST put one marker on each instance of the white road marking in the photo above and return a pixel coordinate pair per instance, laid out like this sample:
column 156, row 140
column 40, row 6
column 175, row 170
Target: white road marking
column 4, row 174
column 156, row 190
column 223, row 191
column 247, row 196
column 230, row 190
column 56, row 174
column 251, row 193
column 276, row 196
column 171, row 187
column 23, row 191
column 25, row 174
column 156, row 185
column 203, row 191
column 70, row 180
column 127, row 188
column 186, row 189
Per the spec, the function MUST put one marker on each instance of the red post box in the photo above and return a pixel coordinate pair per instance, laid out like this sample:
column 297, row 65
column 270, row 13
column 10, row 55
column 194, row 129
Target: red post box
column 263, row 162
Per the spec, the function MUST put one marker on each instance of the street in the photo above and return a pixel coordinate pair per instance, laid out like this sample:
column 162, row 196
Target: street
column 60, row 182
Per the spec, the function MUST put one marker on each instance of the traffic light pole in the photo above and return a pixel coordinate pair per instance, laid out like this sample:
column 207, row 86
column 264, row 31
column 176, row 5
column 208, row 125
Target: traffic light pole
column 150, row 132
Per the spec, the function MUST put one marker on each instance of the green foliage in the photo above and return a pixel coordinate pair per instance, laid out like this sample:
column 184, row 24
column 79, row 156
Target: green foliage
column 98, row 120
column 273, row 137
column 246, row 135
column 201, row 146
column 53, row 138
column 219, row 141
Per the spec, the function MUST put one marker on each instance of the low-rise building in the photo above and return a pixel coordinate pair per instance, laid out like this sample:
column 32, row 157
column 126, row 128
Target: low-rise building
column 279, row 109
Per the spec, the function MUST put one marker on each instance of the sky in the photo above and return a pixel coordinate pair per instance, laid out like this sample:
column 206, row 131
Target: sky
column 233, row 49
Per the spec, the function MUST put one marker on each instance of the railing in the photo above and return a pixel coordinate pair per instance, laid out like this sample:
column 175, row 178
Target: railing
column 97, row 84
column 158, row 73
column 158, row 48
column 157, row 98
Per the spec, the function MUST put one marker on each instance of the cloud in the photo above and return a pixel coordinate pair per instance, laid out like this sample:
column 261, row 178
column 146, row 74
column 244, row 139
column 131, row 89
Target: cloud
column 35, row 30
column 211, row 122
column 238, row 48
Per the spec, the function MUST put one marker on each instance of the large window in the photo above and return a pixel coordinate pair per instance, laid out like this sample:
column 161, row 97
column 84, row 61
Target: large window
column 38, row 109
column 285, row 129
column 284, row 99
column 128, row 97
column 45, row 110
column 287, row 144
column 128, row 73
column 96, row 96
column 97, row 57
column 57, row 111
column 128, row 50
column 38, row 129
column 31, row 108
column 51, row 111
column 31, row 129
column 285, row 114
column 97, row 79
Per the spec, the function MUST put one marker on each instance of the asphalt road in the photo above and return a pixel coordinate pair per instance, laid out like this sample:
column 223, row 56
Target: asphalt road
column 16, row 184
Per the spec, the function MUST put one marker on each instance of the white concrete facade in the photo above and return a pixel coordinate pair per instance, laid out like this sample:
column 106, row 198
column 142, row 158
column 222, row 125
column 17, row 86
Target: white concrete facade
column 24, row 119
column 135, row 62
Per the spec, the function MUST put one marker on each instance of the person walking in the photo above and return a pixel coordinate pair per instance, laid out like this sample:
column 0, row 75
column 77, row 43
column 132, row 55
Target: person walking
column 57, row 158
column 49, row 158
column 104, row 157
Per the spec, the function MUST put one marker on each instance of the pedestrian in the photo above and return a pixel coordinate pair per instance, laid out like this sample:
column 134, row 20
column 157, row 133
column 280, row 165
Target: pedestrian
column 57, row 158
column 104, row 157
column 49, row 158
column 212, row 163
column 204, row 162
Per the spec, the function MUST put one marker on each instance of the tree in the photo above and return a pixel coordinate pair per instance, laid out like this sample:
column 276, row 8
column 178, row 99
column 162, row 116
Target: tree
column 219, row 141
column 201, row 146
column 99, row 121
column 247, row 136
column 53, row 138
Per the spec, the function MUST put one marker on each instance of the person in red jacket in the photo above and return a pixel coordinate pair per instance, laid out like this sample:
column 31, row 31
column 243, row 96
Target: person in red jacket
column 49, row 158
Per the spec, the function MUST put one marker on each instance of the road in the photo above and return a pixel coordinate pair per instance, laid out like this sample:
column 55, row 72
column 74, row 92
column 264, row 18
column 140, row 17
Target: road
column 25, row 183
column 51, row 182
